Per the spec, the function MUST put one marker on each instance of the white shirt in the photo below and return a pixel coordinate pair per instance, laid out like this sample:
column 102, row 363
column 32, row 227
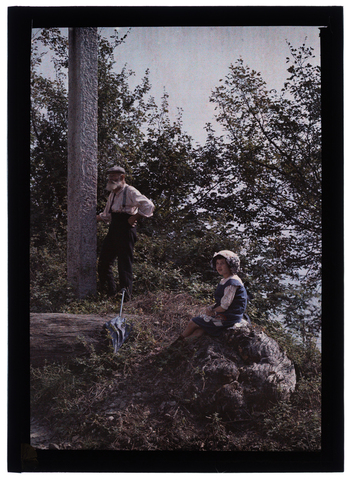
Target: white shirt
column 229, row 292
column 135, row 203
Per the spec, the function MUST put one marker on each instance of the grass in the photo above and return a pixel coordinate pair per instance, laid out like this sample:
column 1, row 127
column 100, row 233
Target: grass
column 141, row 398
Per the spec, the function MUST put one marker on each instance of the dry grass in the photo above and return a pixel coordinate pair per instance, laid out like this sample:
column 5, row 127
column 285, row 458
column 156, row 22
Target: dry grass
column 142, row 398
column 167, row 313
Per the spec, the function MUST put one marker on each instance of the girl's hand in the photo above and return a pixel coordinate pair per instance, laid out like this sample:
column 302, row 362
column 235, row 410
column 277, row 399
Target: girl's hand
column 210, row 312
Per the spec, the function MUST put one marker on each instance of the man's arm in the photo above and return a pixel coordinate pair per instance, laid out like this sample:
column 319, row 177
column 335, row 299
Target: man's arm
column 105, row 216
column 134, row 219
column 144, row 205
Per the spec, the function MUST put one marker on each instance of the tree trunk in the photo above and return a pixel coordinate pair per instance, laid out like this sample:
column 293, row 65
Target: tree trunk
column 58, row 337
column 82, row 160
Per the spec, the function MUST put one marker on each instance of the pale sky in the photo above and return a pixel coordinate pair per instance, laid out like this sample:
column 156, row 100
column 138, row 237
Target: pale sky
column 189, row 61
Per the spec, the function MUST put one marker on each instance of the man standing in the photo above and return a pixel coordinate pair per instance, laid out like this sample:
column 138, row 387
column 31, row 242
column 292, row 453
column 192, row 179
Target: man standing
column 125, row 205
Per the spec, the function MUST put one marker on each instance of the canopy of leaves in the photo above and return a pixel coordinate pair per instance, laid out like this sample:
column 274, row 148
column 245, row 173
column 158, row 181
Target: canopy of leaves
column 256, row 189
column 270, row 171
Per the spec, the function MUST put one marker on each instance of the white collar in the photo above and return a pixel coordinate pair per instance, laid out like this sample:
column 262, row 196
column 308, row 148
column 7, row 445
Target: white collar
column 232, row 277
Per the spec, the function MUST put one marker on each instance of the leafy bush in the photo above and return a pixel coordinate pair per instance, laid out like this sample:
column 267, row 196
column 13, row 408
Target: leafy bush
column 49, row 289
column 303, row 352
column 296, row 423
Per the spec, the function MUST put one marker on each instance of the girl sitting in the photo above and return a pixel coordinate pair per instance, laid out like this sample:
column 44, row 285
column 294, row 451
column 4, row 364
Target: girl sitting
column 230, row 297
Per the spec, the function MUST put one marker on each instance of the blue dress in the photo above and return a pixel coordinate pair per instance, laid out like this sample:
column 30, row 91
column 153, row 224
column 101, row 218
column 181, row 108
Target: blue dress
column 215, row 325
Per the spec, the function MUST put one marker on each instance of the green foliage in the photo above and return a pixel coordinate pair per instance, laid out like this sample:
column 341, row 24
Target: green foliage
column 122, row 113
column 298, row 422
column 49, row 290
column 165, row 171
column 83, row 394
column 48, row 381
column 301, row 429
column 65, row 391
column 302, row 351
column 270, row 167
column 255, row 191
column 182, row 263
column 48, row 139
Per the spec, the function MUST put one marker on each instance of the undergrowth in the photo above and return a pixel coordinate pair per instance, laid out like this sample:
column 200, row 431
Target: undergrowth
column 131, row 400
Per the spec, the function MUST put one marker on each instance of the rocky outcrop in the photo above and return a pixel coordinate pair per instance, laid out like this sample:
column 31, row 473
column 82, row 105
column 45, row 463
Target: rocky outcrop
column 241, row 371
column 174, row 390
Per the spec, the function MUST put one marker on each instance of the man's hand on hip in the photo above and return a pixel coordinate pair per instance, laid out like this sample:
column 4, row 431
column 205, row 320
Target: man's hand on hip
column 133, row 220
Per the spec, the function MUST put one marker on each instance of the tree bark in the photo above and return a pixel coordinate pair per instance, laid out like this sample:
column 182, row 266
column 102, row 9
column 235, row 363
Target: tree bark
column 59, row 337
column 82, row 160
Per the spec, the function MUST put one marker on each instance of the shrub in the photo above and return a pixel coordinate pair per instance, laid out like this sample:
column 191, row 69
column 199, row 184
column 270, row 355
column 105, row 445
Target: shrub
column 298, row 429
column 49, row 289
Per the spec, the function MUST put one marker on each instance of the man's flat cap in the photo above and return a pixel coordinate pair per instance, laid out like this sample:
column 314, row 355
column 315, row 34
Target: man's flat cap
column 116, row 169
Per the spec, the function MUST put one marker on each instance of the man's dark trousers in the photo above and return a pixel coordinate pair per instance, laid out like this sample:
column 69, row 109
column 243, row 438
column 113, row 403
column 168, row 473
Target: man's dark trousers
column 118, row 243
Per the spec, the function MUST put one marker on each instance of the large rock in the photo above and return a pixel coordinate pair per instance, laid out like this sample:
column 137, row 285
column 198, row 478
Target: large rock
column 241, row 371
